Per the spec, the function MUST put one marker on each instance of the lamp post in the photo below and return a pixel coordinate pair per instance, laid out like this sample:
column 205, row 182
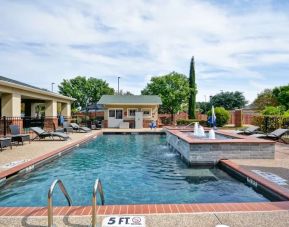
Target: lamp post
column 52, row 86
column 118, row 84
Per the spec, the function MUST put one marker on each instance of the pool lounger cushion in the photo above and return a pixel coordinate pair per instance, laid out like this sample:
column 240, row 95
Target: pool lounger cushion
column 249, row 130
column 5, row 142
column 275, row 135
column 16, row 136
column 41, row 134
column 78, row 128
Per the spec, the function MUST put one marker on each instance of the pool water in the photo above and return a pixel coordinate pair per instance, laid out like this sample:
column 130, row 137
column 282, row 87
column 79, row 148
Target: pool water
column 134, row 169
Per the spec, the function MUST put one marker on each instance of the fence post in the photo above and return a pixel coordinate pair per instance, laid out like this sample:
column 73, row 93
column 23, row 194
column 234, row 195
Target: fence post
column 4, row 126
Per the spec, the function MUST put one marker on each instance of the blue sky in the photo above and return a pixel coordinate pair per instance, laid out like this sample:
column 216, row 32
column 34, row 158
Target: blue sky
column 238, row 45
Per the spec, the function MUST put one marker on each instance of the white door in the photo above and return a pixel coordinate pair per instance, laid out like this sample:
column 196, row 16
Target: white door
column 115, row 117
column 138, row 119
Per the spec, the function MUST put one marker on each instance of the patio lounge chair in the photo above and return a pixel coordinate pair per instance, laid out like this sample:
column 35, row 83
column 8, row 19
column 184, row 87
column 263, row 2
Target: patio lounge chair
column 275, row 135
column 41, row 134
column 5, row 142
column 66, row 127
column 249, row 130
column 16, row 136
column 77, row 128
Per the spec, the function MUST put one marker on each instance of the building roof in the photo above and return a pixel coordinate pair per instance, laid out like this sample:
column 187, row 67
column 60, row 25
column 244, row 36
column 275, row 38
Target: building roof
column 130, row 99
column 18, row 84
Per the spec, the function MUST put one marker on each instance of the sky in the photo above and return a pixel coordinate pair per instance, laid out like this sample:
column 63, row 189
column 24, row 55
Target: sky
column 237, row 45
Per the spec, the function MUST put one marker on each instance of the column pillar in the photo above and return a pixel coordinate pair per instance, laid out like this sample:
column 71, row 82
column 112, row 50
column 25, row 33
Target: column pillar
column 11, row 105
column 238, row 117
column 66, row 110
column 50, row 115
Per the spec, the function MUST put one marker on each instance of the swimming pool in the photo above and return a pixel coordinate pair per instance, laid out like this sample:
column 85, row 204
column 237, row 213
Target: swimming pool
column 134, row 169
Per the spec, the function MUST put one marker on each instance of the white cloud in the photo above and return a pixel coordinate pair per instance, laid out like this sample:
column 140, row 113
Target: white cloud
column 133, row 39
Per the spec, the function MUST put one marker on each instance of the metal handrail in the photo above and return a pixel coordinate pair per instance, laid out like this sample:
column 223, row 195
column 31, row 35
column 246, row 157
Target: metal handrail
column 97, row 187
column 50, row 193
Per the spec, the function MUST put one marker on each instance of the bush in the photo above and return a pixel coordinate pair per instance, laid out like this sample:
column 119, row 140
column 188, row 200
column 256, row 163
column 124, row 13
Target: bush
column 269, row 123
column 286, row 114
column 273, row 110
column 191, row 121
column 186, row 121
column 222, row 116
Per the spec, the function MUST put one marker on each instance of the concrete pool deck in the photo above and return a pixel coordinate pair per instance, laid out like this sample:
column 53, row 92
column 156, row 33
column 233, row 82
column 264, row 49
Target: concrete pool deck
column 243, row 214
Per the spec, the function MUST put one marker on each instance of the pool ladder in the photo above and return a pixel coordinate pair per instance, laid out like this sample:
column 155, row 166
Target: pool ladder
column 97, row 188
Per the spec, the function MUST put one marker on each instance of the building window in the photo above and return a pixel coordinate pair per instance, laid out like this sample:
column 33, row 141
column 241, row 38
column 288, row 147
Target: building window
column 118, row 114
column 147, row 112
column 131, row 112
column 111, row 113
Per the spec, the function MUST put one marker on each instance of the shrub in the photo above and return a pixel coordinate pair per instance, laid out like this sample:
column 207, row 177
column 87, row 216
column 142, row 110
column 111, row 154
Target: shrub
column 273, row 110
column 186, row 121
column 269, row 123
column 222, row 116
column 191, row 121
column 286, row 114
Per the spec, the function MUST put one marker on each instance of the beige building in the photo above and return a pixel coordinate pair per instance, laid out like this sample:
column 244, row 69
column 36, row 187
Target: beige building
column 20, row 100
column 133, row 111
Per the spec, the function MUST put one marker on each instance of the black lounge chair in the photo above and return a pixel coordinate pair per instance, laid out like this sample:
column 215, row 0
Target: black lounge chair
column 57, row 129
column 67, row 127
column 41, row 134
column 5, row 142
column 16, row 136
column 249, row 130
column 77, row 128
column 275, row 135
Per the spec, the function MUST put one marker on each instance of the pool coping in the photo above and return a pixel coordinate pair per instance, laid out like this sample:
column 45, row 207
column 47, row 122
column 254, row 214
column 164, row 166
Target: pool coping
column 143, row 208
column 236, row 138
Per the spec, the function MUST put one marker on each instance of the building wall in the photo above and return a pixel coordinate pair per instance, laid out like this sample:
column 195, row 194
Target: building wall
column 154, row 108
column 146, row 120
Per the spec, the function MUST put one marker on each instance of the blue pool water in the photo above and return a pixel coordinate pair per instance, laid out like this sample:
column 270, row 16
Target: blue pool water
column 134, row 169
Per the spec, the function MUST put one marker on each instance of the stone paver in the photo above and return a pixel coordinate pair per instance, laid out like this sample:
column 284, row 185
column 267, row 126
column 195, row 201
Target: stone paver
column 20, row 154
column 278, row 166
column 264, row 219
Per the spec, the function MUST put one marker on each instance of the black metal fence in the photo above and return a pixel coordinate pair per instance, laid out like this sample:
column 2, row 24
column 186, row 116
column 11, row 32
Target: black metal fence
column 25, row 123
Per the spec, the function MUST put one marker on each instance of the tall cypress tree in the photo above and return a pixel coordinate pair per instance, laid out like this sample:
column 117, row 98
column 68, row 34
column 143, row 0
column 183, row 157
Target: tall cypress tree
column 193, row 91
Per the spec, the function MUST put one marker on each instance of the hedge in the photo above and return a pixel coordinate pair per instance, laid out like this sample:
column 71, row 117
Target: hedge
column 268, row 123
column 190, row 121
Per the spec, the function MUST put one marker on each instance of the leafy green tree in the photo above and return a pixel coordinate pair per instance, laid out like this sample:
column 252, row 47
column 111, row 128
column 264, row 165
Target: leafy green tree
column 203, row 107
column 122, row 92
column 273, row 110
column 229, row 100
column 265, row 98
column 193, row 91
column 84, row 90
column 173, row 89
column 282, row 95
column 222, row 116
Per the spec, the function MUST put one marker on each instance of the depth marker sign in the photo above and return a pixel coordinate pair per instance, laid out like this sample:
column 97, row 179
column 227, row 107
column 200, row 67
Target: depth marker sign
column 124, row 221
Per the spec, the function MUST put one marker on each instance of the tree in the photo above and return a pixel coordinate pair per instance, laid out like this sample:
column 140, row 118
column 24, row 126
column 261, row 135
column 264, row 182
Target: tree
column 121, row 92
column 84, row 90
column 229, row 100
column 203, row 107
column 265, row 98
column 173, row 89
column 193, row 91
column 282, row 95
column 273, row 110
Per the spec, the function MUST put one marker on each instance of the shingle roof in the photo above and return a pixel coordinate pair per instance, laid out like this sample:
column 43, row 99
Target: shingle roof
column 130, row 99
column 21, row 83
column 18, row 83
